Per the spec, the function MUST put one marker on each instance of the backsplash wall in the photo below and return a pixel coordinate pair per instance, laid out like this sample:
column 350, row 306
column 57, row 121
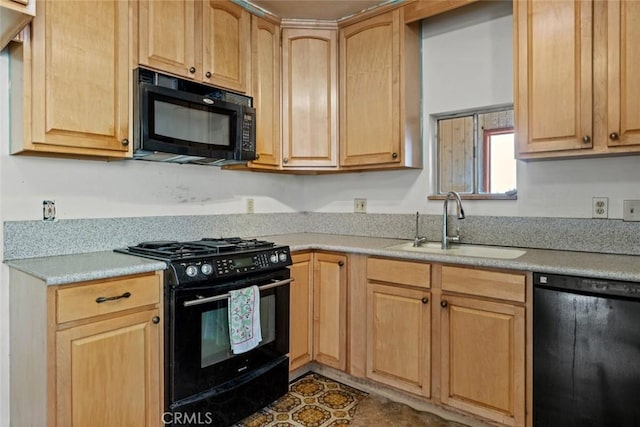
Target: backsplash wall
column 27, row 239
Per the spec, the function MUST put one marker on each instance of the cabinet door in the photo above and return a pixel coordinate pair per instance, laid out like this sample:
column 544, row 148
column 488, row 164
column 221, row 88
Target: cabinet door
column 301, row 311
column 398, row 337
column 226, row 44
column 309, row 98
column 266, row 90
column 370, row 91
column 554, row 75
column 80, row 78
column 623, row 69
column 330, row 309
column 108, row 372
column 483, row 367
column 172, row 51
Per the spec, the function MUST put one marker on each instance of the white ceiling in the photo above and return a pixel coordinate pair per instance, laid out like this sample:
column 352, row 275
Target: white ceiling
column 315, row 9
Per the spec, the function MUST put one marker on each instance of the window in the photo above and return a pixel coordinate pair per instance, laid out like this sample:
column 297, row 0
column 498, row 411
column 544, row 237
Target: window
column 475, row 152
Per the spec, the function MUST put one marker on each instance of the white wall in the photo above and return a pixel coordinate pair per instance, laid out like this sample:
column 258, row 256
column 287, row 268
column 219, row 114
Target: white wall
column 467, row 62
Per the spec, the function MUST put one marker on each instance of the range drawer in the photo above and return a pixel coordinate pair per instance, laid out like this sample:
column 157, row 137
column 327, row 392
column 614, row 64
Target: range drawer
column 401, row 272
column 83, row 301
column 491, row 284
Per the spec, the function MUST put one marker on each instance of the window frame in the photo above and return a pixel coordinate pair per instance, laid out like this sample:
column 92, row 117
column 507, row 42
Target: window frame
column 478, row 150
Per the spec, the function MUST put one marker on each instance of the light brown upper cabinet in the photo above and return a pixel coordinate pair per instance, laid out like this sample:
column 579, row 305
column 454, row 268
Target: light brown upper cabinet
column 623, row 67
column 71, row 77
column 14, row 16
column 309, row 98
column 208, row 41
column 265, row 60
column 575, row 68
column 380, row 93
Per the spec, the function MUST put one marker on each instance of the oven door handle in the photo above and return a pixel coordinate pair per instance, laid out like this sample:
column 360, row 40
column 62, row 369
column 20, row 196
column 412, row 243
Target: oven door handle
column 199, row 301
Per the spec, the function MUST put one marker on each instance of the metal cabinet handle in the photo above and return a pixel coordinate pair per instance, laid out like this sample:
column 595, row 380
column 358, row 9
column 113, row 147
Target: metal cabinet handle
column 257, row 156
column 100, row 300
column 613, row 136
column 586, row 139
column 285, row 160
column 394, row 155
column 341, row 263
column 208, row 74
column 155, row 320
column 192, row 70
column 443, row 303
column 125, row 142
column 425, row 300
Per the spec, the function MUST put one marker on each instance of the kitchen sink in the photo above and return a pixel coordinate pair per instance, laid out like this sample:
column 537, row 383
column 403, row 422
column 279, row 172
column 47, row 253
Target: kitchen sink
column 461, row 250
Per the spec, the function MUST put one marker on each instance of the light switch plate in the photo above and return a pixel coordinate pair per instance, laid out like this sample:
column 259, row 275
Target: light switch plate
column 631, row 210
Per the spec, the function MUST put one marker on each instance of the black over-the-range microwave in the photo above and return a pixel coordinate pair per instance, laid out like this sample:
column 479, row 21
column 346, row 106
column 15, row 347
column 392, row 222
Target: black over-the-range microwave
column 181, row 121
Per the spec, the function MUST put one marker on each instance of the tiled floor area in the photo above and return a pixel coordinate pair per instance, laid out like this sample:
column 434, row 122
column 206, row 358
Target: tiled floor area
column 312, row 401
column 317, row 401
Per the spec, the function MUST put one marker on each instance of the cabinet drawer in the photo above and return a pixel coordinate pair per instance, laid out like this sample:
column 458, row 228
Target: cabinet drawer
column 402, row 272
column 492, row 284
column 79, row 302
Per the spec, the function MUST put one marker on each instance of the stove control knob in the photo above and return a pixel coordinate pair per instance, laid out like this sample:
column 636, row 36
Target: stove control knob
column 192, row 271
column 283, row 257
column 274, row 258
column 206, row 269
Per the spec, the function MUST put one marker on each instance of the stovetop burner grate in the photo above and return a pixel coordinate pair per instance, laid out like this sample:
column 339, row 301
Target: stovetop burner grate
column 173, row 250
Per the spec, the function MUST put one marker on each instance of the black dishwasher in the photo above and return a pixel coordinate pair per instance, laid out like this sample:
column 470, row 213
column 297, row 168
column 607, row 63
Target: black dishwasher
column 586, row 352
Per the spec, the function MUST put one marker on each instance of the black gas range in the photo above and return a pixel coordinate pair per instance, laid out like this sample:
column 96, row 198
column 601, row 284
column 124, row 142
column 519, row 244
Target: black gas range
column 211, row 259
column 205, row 381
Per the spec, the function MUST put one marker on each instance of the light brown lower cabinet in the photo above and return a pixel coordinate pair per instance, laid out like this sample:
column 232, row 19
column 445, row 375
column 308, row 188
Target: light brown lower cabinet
column 108, row 372
column 483, row 358
column 452, row 334
column 301, row 310
column 318, row 309
column 399, row 324
column 77, row 362
column 399, row 337
column 483, row 342
column 330, row 309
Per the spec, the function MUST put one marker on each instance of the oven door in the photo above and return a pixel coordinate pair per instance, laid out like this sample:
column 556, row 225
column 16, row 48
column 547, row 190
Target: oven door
column 199, row 350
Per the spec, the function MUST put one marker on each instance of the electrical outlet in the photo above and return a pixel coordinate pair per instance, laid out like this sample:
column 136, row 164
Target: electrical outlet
column 631, row 210
column 48, row 210
column 600, row 207
column 360, row 205
column 249, row 205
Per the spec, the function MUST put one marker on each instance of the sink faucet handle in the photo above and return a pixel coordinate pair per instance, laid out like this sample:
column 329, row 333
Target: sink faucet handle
column 417, row 239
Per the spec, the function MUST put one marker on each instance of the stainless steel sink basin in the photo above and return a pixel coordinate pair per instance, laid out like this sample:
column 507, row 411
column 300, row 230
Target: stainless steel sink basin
column 461, row 250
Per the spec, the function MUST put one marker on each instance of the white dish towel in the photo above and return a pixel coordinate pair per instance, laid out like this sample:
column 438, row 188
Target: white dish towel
column 244, row 319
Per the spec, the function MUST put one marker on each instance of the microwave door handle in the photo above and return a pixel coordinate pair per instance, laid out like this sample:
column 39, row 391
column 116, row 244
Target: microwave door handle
column 199, row 301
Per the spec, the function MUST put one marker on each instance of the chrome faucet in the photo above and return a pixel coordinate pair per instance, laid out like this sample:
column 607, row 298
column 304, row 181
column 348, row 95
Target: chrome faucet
column 445, row 237
column 417, row 241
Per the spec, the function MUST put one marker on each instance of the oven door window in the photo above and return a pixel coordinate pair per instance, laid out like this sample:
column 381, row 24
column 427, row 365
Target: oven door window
column 215, row 344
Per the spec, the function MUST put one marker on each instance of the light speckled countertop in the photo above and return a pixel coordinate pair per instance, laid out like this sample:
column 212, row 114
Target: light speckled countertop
column 604, row 266
column 57, row 270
